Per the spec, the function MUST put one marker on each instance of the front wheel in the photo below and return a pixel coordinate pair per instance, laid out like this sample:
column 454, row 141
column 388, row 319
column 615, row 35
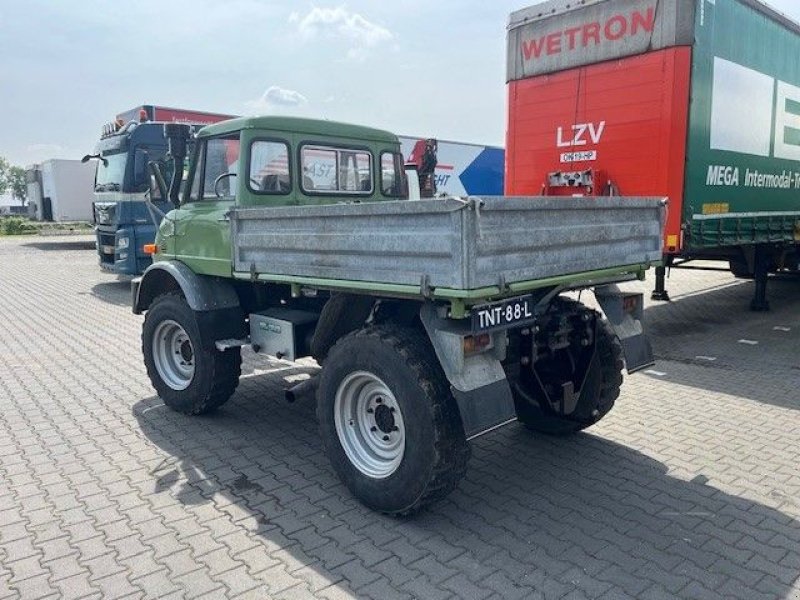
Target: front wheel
column 389, row 422
column 189, row 378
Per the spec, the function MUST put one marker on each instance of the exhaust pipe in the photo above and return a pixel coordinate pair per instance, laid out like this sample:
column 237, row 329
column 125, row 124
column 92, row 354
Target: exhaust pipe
column 177, row 135
column 304, row 388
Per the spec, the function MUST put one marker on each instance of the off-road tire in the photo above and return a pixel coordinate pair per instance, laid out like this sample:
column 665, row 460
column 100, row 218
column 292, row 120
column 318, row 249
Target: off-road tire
column 601, row 390
column 216, row 374
column 436, row 450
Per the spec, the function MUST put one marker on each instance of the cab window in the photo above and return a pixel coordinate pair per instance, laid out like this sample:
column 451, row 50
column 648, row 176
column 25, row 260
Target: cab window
column 221, row 162
column 216, row 171
column 393, row 175
column 336, row 171
column 269, row 167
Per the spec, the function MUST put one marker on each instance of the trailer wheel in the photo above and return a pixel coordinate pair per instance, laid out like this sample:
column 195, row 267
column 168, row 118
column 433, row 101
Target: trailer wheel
column 188, row 377
column 389, row 423
column 600, row 391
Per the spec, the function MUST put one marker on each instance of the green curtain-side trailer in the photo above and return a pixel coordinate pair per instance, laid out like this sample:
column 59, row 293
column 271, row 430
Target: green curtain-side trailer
column 697, row 100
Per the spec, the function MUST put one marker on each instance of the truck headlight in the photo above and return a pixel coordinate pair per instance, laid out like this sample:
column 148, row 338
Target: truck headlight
column 123, row 243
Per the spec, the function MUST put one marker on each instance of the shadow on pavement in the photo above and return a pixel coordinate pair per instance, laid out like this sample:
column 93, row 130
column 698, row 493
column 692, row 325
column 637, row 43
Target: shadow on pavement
column 117, row 293
column 62, row 245
column 534, row 516
column 716, row 343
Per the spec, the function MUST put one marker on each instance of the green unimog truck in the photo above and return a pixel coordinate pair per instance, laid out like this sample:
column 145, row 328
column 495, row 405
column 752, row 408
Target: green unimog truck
column 434, row 321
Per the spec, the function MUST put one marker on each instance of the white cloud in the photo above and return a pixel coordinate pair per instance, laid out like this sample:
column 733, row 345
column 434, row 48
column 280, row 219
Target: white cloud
column 284, row 97
column 276, row 97
column 339, row 22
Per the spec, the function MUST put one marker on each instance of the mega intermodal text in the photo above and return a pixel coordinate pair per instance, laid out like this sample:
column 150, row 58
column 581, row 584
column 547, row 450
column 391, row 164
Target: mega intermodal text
column 615, row 28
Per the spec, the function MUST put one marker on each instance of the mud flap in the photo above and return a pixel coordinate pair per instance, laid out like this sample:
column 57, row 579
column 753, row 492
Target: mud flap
column 624, row 311
column 478, row 381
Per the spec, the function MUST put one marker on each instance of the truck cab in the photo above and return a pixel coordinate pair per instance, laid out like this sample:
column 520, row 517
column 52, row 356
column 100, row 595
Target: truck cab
column 274, row 161
column 122, row 221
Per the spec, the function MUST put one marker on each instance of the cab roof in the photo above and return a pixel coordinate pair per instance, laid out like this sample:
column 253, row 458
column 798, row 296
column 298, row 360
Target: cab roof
column 298, row 125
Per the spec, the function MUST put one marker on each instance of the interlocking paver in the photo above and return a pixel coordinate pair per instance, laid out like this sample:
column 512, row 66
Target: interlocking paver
column 688, row 489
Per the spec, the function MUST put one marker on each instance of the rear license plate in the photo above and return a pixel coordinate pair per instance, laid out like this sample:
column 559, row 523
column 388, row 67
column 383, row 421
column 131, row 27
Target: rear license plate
column 501, row 315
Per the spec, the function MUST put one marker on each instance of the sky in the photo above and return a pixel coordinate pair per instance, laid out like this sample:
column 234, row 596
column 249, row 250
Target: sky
column 432, row 69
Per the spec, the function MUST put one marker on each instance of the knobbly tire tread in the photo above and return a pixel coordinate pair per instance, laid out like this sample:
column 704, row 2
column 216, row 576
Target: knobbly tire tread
column 452, row 451
column 226, row 367
column 611, row 366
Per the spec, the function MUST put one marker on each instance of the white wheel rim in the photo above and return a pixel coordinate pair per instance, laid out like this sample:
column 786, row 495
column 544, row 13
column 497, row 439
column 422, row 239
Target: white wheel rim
column 173, row 355
column 369, row 424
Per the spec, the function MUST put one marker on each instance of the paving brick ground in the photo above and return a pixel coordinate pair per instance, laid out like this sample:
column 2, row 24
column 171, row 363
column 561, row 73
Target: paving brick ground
column 689, row 489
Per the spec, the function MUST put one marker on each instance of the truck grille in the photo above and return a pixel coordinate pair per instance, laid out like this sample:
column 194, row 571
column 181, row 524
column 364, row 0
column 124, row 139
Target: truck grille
column 105, row 213
column 105, row 246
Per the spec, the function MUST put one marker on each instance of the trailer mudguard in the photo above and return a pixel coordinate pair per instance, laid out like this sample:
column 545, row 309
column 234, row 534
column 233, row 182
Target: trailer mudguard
column 202, row 293
column 478, row 382
column 625, row 311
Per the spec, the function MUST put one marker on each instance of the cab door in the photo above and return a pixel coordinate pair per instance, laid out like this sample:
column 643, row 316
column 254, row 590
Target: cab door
column 202, row 228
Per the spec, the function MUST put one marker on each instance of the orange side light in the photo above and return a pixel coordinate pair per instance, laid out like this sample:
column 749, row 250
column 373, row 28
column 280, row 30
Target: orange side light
column 149, row 249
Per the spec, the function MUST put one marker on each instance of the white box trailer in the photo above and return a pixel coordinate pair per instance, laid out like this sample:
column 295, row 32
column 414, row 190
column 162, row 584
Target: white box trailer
column 61, row 190
column 463, row 169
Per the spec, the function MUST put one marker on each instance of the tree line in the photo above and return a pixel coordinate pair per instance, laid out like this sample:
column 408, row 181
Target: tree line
column 12, row 180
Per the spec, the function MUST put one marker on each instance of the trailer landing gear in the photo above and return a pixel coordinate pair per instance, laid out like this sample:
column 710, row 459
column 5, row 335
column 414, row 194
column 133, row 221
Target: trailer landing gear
column 660, row 292
column 761, row 265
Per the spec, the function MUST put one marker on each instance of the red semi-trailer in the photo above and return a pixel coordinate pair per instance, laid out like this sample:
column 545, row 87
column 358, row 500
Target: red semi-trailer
column 696, row 101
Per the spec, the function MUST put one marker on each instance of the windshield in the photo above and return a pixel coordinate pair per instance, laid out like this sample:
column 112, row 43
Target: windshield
column 110, row 176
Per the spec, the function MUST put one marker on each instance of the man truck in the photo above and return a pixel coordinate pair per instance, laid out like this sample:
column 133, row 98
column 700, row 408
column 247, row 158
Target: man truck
column 434, row 321
column 122, row 221
column 698, row 101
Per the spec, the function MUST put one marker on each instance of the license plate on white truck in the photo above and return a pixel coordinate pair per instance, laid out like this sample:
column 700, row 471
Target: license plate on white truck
column 502, row 315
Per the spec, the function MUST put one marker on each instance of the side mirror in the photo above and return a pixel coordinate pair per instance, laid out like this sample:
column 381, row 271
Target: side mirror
column 89, row 157
column 140, row 160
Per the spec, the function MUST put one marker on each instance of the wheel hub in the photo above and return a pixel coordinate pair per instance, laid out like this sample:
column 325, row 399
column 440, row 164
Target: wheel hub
column 186, row 351
column 173, row 355
column 384, row 418
column 369, row 424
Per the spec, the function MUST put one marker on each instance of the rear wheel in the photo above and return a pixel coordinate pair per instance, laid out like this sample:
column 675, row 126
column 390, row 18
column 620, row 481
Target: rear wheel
column 600, row 384
column 188, row 377
column 390, row 425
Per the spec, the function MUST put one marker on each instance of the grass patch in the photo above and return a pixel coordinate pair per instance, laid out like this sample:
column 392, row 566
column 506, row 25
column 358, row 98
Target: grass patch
column 23, row 226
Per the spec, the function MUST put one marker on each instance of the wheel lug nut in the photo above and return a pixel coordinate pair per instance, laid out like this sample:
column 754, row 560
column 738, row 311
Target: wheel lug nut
column 395, row 428
column 370, row 410
column 391, row 408
column 386, row 438
column 373, row 428
column 379, row 400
